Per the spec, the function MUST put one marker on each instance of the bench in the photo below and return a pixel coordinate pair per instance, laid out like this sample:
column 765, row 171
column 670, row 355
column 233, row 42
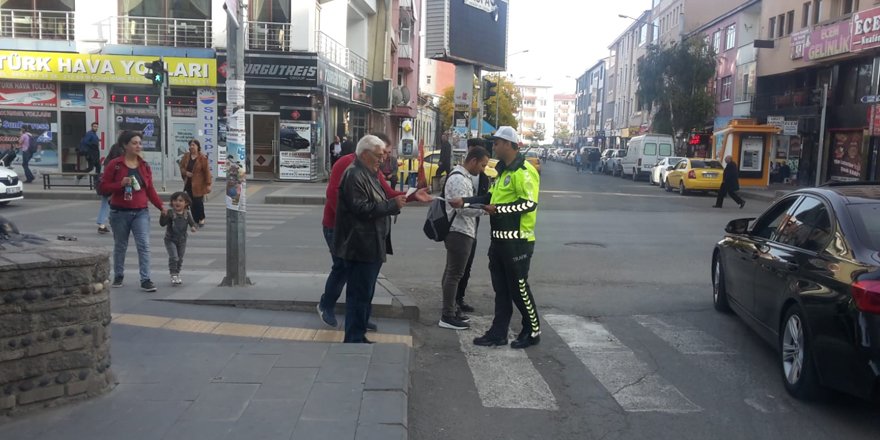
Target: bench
column 47, row 180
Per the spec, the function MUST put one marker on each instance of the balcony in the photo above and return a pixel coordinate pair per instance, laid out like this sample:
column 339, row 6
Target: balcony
column 338, row 54
column 40, row 25
column 268, row 36
column 157, row 31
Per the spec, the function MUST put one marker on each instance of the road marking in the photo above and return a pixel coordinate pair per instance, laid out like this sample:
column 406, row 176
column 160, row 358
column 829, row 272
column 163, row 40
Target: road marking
column 633, row 384
column 14, row 211
column 247, row 330
column 560, row 196
column 685, row 338
column 505, row 378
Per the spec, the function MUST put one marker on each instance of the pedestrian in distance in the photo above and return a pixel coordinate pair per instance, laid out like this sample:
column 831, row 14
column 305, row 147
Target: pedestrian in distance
column 197, row 179
column 512, row 204
column 177, row 221
column 104, row 211
column 729, row 184
column 336, row 278
column 335, row 150
column 578, row 160
column 460, row 240
column 90, row 149
column 444, row 165
column 27, row 144
column 481, row 183
column 7, row 156
column 129, row 180
column 593, row 157
column 362, row 234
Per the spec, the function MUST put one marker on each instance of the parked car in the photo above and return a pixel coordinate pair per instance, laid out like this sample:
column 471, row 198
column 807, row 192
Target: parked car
column 613, row 162
column 642, row 152
column 534, row 156
column 10, row 186
column 695, row 175
column 806, row 277
column 661, row 169
column 603, row 160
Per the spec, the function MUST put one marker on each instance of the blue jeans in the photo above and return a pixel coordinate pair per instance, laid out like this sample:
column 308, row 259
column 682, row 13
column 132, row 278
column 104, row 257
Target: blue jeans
column 336, row 279
column 25, row 160
column 125, row 223
column 103, row 211
column 358, row 297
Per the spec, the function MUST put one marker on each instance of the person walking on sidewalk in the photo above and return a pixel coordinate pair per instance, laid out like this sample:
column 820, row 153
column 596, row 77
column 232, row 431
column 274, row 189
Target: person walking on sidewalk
column 27, row 144
column 90, row 148
column 578, row 160
column 197, row 179
column 462, row 234
column 481, row 183
column 336, row 279
column 104, row 211
column 512, row 204
column 129, row 180
column 729, row 184
column 177, row 221
column 362, row 237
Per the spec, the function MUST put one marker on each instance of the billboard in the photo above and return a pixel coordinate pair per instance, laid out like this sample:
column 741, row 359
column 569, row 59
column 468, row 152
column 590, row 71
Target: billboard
column 468, row 32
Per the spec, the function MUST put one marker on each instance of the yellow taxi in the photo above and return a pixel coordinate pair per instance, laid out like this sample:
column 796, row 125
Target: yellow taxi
column 695, row 175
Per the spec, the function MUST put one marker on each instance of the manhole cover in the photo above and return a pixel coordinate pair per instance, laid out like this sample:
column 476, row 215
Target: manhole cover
column 585, row 244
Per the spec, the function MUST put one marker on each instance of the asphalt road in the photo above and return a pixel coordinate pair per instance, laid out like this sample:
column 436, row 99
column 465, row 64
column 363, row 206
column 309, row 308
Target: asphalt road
column 631, row 347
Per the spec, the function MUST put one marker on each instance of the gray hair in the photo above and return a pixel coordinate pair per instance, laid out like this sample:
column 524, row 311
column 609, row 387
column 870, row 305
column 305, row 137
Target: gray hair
column 368, row 143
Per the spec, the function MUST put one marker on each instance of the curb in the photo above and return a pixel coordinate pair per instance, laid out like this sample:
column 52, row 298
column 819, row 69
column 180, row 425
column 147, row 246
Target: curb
column 87, row 195
column 294, row 200
column 764, row 197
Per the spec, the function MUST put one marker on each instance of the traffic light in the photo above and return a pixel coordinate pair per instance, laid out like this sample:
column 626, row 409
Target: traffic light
column 156, row 72
column 490, row 88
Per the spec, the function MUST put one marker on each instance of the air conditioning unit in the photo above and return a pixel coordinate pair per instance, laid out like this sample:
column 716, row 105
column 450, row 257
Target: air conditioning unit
column 396, row 96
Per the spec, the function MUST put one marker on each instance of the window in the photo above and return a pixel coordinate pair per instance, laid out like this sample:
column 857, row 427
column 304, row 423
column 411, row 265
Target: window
column 789, row 22
column 780, row 25
column 849, row 6
column 771, row 28
column 273, row 11
column 807, row 227
column 866, row 218
column 666, row 149
column 863, row 81
column 428, row 80
column 195, row 9
column 805, row 18
column 731, row 37
column 769, row 222
column 744, row 86
column 650, row 149
column 817, row 10
column 726, row 86
column 405, row 31
column 716, row 41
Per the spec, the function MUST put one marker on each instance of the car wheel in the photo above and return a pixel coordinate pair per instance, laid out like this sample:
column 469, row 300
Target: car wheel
column 635, row 176
column 798, row 369
column 668, row 185
column 719, row 289
column 681, row 189
column 4, row 203
column 662, row 183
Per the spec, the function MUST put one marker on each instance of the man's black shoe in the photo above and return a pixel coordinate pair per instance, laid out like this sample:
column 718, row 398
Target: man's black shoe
column 465, row 307
column 371, row 326
column 367, row 341
column 525, row 341
column 742, row 205
column 488, row 341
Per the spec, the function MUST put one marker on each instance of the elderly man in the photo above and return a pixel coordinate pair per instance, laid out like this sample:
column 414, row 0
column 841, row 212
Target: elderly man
column 362, row 236
column 729, row 184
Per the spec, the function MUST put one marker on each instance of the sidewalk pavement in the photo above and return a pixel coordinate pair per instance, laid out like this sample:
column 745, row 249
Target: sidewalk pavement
column 81, row 190
column 187, row 371
column 766, row 194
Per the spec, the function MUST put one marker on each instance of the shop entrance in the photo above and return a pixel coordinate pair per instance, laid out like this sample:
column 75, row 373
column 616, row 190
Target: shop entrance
column 73, row 128
column 263, row 151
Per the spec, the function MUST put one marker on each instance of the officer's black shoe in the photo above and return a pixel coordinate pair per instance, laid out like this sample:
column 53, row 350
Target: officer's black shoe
column 488, row 341
column 525, row 341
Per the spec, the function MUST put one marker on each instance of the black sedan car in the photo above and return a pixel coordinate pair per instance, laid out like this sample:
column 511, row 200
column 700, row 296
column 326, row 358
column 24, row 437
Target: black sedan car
column 805, row 275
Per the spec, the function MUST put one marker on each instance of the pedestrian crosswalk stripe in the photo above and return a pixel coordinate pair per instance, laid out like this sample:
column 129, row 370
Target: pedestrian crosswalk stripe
column 504, row 377
column 632, row 383
column 683, row 337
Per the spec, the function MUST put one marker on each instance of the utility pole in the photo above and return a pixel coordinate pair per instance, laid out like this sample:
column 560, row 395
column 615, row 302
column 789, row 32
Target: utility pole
column 479, row 102
column 821, row 147
column 162, row 125
column 236, row 267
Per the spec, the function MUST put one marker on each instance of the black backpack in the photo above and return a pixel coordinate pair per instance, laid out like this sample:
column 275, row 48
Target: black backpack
column 437, row 224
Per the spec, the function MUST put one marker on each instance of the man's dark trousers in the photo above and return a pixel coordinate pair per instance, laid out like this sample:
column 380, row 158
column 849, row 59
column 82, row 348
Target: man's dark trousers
column 336, row 279
column 361, row 285
column 93, row 159
column 462, row 285
column 723, row 192
column 509, row 263
column 25, row 163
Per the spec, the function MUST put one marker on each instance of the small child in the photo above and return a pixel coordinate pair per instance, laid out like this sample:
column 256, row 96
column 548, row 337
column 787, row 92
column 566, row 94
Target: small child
column 176, row 221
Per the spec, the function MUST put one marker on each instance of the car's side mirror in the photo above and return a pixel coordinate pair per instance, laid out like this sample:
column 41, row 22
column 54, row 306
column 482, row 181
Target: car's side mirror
column 738, row 226
column 670, row 168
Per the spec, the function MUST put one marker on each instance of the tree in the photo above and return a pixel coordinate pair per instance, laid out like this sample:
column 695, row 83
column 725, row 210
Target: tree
column 675, row 82
column 563, row 136
column 507, row 96
column 536, row 135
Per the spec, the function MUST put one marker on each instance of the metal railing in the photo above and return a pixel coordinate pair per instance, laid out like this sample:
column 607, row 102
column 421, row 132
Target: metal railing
column 43, row 25
column 339, row 54
column 405, row 51
column 157, row 31
column 269, row 36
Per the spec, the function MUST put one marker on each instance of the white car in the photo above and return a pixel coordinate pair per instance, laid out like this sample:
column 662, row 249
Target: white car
column 10, row 186
column 659, row 172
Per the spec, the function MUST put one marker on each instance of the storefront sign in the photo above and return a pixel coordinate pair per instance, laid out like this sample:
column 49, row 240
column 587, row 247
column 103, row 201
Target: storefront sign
column 277, row 72
column 846, row 156
column 828, row 41
column 72, row 98
column 776, row 121
column 866, row 30
column 206, row 123
column 875, row 120
column 362, row 91
column 95, row 68
column 790, row 128
column 798, row 41
column 29, row 94
column 338, row 82
column 295, row 158
column 41, row 124
column 144, row 119
column 751, row 155
column 464, row 87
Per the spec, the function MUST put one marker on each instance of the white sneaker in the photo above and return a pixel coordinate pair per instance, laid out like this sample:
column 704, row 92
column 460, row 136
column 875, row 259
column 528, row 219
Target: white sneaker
column 175, row 279
column 179, row 280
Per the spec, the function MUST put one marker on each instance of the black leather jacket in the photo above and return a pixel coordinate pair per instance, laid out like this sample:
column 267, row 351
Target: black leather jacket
column 363, row 223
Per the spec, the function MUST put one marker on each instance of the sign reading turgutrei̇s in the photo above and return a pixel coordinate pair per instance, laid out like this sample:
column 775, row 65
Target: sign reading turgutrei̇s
column 94, row 68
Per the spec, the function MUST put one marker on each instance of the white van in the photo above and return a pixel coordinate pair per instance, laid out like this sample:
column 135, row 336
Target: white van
column 642, row 154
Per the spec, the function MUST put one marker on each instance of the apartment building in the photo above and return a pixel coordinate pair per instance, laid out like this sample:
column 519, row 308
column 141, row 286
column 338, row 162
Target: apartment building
column 536, row 113
column 563, row 118
column 313, row 70
column 627, row 50
column 591, row 102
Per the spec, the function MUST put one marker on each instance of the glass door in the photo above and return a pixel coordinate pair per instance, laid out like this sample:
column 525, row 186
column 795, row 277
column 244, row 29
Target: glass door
column 262, row 157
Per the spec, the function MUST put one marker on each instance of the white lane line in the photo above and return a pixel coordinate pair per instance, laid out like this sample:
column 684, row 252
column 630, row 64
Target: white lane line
column 684, row 337
column 14, row 211
column 632, row 383
column 505, row 378
column 560, row 196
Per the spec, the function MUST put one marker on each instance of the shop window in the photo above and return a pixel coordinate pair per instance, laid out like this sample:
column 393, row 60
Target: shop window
column 863, row 81
column 42, row 19
column 358, row 121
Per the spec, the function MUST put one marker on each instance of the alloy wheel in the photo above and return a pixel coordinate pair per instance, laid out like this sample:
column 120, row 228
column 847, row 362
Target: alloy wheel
column 793, row 349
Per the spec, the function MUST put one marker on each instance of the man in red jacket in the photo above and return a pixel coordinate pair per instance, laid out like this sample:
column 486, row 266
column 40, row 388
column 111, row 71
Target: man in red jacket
column 336, row 279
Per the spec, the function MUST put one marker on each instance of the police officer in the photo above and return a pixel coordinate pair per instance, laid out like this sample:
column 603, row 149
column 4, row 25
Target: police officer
column 512, row 203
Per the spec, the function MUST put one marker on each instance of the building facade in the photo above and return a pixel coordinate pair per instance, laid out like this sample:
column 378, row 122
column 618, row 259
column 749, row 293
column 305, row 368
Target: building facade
column 536, row 113
column 563, row 118
column 591, row 120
